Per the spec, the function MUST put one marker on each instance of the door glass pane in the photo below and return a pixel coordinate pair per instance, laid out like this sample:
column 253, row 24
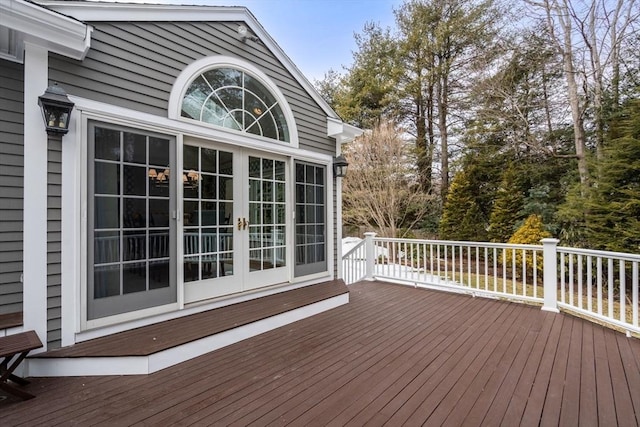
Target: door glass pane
column 267, row 196
column 310, row 219
column 107, row 178
column 129, row 228
column 208, row 210
column 135, row 148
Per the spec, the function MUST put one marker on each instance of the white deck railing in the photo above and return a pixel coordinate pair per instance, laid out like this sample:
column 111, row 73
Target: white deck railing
column 596, row 284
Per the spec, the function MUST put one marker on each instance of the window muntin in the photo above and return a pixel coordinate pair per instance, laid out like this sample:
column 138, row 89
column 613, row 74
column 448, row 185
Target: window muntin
column 310, row 244
column 233, row 99
column 130, row 231
column 208, row 210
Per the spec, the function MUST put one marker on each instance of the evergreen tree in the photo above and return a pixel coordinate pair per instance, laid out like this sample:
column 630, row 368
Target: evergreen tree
column 507, row 207
column 614, row 210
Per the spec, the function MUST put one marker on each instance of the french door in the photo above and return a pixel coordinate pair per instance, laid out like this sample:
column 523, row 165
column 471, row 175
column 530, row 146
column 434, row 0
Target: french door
column 234, row 221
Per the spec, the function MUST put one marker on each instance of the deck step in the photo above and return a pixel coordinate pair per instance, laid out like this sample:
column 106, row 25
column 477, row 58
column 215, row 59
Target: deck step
column 154, row 347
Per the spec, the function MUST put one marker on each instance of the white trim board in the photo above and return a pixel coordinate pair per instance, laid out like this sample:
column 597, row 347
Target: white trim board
column 141, row 365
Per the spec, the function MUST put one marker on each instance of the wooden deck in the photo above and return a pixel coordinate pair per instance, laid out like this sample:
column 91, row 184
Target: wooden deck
column 394, row 355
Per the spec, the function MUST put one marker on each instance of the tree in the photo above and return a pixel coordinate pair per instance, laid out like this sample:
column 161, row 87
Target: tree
column 614, row 211
column 439, row 41
column 590, row 37
column 369, row 94
column 381, row 189
column 507, row 207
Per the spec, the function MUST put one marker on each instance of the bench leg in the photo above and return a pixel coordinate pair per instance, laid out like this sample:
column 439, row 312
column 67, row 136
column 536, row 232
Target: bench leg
column 6, row 370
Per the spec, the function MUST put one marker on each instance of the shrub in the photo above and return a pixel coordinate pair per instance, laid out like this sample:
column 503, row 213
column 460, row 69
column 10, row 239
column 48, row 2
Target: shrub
column 530, row 233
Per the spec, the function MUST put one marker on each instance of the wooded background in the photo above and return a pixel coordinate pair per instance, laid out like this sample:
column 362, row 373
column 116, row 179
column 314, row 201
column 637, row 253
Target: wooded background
column 481, row 114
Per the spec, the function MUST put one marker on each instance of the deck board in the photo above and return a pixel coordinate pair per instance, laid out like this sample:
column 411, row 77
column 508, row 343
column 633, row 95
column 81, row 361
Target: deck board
column 393, row 354
column 160, row 336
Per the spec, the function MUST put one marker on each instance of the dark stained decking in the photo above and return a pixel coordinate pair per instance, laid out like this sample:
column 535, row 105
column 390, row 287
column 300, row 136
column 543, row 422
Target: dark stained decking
column 394, row 355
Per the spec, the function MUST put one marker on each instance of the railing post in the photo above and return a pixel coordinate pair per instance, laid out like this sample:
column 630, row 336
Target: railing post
column 370, row 254
column 550, row 274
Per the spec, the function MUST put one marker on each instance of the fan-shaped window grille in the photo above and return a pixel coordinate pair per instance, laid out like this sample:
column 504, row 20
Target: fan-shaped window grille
column 233, row 99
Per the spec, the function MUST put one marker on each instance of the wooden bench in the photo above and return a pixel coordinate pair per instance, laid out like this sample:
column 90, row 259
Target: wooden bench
column 18, row 346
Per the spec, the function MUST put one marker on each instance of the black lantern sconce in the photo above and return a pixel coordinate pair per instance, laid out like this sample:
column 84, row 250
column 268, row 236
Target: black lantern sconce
column 340, row 166
column 56, row 110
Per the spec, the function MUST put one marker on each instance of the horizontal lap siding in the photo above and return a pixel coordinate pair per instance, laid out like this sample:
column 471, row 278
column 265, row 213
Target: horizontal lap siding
column 11, row 185
column 134, row 65
column 54, row 242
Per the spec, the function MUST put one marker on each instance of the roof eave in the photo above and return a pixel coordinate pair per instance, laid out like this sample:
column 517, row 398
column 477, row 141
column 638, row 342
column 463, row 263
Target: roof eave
column 43, row 27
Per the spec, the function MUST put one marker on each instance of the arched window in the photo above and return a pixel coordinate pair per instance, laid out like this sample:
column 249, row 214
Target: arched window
column 232, row 98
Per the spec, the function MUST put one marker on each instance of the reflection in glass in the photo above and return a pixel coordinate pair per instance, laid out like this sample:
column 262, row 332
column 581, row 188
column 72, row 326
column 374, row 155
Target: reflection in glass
column 158, row 151
column 159, row 213
column 134, row 245
column 208, row 160
column 255, row 213
column 134, row 213
column 255, row 260
column 135, row 148
column 107, row 212
column 268, row 260
column 135, row 180
column 230, row 98
column 191, row 271
column 226, row 163
column 106, row 281
column 225, row 212
column 267, row 169
column 107, row 144
column 191, row 241
column 254, row 190
column 209, row 267
column 159, row 244
column 191, row 213
column 209, row 240
column 107, row 178
column 106, row 247
column 225, row 188
column 134, row 277
column 159, row 274
column 281, row 257
column 190, row 157
column 209, row 190
column 255, row 236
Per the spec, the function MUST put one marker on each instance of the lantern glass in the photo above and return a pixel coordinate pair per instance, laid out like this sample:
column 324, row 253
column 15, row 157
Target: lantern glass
column 56, row 110
column 340, row 166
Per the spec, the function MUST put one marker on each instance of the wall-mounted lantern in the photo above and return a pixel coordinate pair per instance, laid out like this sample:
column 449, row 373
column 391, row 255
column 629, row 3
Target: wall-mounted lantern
column 340, row 166
column 56, row 110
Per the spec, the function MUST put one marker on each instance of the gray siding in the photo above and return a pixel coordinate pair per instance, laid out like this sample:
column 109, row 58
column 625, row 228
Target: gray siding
column 54, row 239
column 134, row 65
column 11, row 185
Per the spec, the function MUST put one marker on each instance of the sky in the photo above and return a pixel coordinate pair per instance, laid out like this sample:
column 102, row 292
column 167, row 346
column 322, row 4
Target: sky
column 317, row 35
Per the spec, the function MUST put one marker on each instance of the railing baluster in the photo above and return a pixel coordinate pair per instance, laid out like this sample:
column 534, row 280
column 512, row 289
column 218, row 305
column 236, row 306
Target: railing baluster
column 610, row 285
column 580, row 281
column 623, row 293
column 534, row 284
column 634, row 293
column 562, row 277
column 589, row 284
column 571, row 279
column 524, row 272
column 599, row 280
column 504, row 270
column 495, row 270
column 514, row 273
